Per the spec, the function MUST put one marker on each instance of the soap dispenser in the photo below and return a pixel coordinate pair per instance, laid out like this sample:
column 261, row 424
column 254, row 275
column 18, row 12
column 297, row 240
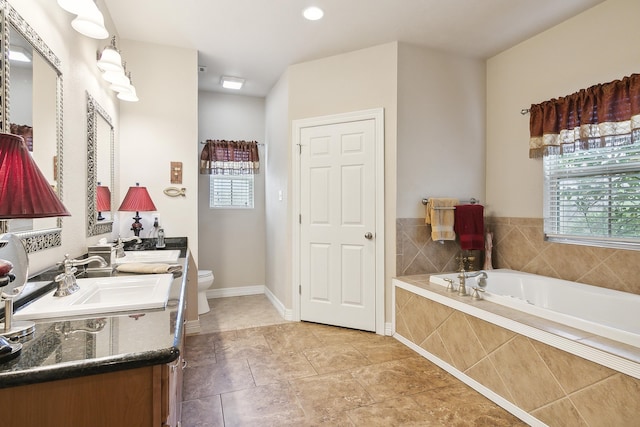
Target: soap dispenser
column 160, row 241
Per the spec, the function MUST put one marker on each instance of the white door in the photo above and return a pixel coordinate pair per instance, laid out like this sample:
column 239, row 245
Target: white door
column 337, row 224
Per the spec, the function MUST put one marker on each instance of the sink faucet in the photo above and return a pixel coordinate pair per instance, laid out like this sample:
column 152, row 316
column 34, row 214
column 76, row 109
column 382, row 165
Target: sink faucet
column 120, row 244
column 67, row 280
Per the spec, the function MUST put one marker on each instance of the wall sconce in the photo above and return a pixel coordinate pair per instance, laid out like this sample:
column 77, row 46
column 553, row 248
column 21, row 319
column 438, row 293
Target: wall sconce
column 109, row 59
column 89, row 20
column 137, row 200
column 127, row 93
column 24, row 193
column 114, row 72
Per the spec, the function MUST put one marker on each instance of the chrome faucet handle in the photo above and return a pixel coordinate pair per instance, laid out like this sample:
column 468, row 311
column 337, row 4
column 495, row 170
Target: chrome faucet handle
column 476, row 293
column 450, row 287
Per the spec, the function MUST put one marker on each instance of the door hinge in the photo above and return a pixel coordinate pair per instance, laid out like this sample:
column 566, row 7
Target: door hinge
column 299, row 148
column 299, row 289
column 299, row 218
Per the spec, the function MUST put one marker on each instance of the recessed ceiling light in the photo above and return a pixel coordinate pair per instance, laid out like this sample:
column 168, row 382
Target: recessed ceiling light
column 231, row 82
column 313, row 13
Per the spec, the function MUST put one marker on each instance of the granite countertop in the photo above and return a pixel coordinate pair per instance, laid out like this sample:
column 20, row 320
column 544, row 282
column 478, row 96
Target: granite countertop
column 87, row 345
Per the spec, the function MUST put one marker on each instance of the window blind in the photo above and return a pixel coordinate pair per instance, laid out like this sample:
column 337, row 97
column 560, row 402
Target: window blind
column 231, row 191
column 594, row 196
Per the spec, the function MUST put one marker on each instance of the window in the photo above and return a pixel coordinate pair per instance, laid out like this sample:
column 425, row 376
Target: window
column 231, row 191
column 593, row 196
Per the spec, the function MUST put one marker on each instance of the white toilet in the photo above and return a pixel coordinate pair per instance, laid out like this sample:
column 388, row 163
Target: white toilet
column 205, row 280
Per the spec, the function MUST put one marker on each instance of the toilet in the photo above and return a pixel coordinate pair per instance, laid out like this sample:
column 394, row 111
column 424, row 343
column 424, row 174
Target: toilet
column 205, row 280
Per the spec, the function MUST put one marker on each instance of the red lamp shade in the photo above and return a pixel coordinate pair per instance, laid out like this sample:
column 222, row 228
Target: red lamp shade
column 137, row 200
column 103, row 198
column 24, row 191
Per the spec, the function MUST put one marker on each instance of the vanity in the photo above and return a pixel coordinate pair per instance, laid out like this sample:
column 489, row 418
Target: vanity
column 109, row 369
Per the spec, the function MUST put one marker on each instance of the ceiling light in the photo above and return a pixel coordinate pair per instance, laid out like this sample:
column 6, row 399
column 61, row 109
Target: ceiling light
column 90, row 23
column 19, row 54
column 313, row 13
column 231, row 82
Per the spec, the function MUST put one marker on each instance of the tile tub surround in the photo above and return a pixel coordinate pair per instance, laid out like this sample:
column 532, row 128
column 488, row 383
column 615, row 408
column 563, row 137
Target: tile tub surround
column 518, row 244
column 548, row 384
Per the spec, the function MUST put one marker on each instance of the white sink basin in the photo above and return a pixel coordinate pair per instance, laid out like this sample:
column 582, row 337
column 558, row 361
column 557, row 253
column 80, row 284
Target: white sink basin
column 168, row 256
column 102, row 295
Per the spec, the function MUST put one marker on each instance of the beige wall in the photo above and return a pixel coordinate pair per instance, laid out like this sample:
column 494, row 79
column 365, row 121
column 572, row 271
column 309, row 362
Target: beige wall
column 596, row 46
column 441, row 127
column 77, row 54
column 354, row 81
column 159, row 129
column 231, row 238
column 277, row 167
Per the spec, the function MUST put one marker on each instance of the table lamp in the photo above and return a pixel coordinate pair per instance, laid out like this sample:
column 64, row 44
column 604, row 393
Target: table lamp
column 24, row 193
column 137, row 200
column 103, row 200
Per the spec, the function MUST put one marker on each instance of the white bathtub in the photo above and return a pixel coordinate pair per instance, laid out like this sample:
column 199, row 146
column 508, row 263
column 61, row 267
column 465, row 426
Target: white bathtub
column 612, row 314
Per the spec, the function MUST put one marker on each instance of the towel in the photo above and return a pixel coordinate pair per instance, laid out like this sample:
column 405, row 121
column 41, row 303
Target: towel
column 440, row 214
column 148, row 268
column 469, row 225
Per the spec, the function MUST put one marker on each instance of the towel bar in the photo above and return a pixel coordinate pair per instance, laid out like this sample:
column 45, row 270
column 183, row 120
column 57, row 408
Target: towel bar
column 472, row 201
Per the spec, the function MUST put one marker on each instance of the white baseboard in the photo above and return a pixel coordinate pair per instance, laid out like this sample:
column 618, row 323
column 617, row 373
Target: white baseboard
column 287, row 314
column 236, row 292
column 388, row 329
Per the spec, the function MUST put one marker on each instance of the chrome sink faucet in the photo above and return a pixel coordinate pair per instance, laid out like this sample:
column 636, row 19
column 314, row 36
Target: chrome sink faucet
column 66, row 281
column 119, row 247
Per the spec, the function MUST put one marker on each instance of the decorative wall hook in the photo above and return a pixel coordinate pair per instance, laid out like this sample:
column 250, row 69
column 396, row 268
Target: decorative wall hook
column 175, row 191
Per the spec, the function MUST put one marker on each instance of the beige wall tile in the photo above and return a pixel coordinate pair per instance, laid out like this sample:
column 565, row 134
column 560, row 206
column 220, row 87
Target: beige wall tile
column 525, row 374
column 572, row 372
column 490, row 335
column 560, row 413
column 461, row 342
column 612, row 402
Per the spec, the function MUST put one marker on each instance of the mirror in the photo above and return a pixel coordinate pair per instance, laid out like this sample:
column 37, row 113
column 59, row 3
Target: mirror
column 31, row 106
column 100, row 140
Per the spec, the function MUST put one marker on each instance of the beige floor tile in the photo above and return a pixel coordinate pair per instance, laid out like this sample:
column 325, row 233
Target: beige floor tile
column 401, row 378
column 325, row 395
column 335, row 358
column 249, row 367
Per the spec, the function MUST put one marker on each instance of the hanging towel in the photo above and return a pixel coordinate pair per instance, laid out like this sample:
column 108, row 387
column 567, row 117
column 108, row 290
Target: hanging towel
column 469, row 225
column 440, row 214
column 148, row 268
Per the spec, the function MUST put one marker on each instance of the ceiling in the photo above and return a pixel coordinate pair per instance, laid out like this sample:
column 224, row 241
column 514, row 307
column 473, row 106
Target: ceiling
column 258, row 39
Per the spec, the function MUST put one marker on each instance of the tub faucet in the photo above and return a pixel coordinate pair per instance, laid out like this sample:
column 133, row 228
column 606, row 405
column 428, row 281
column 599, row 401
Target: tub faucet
column 482, row 280
column 66, row 281
column 120, row 244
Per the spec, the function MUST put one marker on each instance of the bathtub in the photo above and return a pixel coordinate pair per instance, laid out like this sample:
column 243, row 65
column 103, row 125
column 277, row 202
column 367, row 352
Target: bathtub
column 525, row 336
column 608, row 313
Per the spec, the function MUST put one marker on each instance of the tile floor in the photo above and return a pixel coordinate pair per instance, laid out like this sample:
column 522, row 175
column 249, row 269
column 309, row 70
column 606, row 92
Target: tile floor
column 248, row 367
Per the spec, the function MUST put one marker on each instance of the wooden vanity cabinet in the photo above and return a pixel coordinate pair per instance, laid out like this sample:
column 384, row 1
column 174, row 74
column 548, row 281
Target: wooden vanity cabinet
column 148, row 396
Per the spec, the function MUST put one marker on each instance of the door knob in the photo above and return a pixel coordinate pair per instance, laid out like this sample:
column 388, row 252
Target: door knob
column 368, row 236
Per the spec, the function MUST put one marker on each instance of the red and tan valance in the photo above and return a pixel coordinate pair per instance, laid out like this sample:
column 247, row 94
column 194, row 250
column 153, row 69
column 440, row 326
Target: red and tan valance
column 603, row 115
column 221, row 157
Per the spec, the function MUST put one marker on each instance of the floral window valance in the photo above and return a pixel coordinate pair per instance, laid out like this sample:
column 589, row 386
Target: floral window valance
column 221, row 157
column 603, row 115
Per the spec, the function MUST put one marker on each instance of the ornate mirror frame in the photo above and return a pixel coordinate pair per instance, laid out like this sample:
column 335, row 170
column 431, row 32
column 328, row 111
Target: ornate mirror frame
column 35, row 240
column 95, row 227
